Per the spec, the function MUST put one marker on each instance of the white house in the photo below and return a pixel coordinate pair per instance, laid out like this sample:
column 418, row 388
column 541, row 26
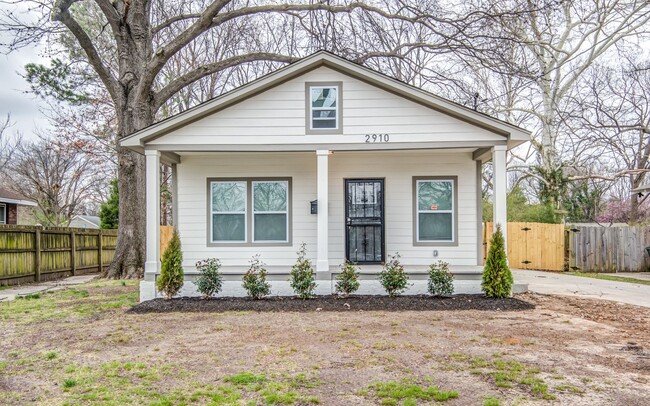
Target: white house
column 332, row 154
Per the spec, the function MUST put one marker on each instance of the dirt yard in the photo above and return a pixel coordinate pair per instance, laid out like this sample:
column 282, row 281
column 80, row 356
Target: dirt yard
column 81, row 346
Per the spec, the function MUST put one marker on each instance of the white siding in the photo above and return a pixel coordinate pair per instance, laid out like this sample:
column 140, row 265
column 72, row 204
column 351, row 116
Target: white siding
column 397, row 167
column 280, row 112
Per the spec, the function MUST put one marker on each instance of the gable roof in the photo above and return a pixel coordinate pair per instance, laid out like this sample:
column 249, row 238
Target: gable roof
column 319, row 59
column 8, row 196
column 94, row 220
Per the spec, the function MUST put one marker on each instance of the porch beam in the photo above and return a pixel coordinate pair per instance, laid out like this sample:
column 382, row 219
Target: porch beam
column 322, row 252
column 500, row 189
column 152, row 165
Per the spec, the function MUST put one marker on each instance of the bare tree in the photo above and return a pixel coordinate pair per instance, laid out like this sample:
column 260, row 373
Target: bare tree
column 138, row 51
column 57, row 177
column 553, row 44
column 616, row 124
column 8, row 143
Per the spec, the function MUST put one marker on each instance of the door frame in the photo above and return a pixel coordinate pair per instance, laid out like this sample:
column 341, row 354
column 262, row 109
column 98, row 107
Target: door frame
column 346, row 209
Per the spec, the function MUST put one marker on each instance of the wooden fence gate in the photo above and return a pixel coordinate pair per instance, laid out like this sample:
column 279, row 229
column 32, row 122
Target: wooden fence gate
column 532, row 245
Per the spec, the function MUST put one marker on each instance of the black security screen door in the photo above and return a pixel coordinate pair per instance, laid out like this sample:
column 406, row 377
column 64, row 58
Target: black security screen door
column 364, row 220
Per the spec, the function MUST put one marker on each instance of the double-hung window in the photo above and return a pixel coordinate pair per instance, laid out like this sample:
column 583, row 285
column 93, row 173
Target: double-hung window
column 249, row 211
column 228, row 211
column 435, row 205
column 270, row 211
column 3, row 214
column 324, row 108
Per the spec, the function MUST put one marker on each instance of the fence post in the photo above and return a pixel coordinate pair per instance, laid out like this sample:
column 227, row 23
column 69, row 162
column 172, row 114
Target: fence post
column 73, row 252
column 37, row 259
column 99, row 249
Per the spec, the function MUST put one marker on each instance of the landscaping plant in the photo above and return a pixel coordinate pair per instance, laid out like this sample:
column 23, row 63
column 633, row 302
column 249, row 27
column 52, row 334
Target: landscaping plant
column 254, row 280
column 170, row 280
column 441, row 281
column 302, row 277
column 210, row 280
column 497, row 278
column 393, row 277
column 347, row 282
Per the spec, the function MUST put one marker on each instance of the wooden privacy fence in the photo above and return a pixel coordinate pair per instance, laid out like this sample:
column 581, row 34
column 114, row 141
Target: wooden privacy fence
column 166, row 233
column 609, row 249
column 34, row 254
column 532, row 245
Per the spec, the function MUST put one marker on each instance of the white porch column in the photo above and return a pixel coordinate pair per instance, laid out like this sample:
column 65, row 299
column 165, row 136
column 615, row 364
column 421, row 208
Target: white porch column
column 500, row 189
column 322, row 255
column 152, row 159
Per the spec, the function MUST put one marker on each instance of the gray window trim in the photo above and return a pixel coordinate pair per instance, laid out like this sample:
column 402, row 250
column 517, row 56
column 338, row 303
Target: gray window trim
column 339, row 108
column 3, row 220
column 249, row 213
column 454, row 242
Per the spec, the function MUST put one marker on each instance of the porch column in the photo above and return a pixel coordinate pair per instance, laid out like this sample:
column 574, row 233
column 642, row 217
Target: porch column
column 322, row 255
column 152, row 159
column 500, row 189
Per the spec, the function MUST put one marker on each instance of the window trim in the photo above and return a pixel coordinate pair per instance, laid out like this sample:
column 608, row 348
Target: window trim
column 339, row 108
column 416, row 212
column 249, row 213
column 4, row 220
column 286, row 212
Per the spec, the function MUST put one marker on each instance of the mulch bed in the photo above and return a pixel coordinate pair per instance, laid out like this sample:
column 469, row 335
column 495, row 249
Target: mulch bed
column 331, row 304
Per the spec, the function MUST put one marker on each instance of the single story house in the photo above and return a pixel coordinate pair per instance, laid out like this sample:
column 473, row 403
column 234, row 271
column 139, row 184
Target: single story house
column 326, row 152
column 84, row 221
column 14, row 207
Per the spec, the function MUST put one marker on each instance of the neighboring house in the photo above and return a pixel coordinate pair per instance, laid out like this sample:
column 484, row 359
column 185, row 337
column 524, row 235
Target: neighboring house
column 83, row 221
column 14, row 207
column 324, row 151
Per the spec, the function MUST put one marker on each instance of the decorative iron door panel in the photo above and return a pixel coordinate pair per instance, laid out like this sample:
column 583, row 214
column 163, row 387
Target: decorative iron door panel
column 364, row 220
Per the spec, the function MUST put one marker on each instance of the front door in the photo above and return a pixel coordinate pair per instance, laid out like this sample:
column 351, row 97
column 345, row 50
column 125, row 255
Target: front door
column 364, row 220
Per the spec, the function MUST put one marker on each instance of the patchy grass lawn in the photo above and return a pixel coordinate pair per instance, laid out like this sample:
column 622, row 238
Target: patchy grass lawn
column 611, row 277
column 79, row 346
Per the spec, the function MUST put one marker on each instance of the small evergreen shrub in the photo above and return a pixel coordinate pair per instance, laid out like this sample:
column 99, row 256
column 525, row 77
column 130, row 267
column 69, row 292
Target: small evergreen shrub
column 254, row 280
column 497, row 278
column 210, row 280
column 441, row 281
column 170, row 280
column 347, row 282
column 302, row 277
column 393, row 277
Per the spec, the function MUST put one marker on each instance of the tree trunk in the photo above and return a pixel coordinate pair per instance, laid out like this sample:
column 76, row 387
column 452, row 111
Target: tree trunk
column 130, row 252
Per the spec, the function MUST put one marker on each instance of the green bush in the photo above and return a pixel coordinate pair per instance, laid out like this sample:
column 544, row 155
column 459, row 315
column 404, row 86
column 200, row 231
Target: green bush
column 497, row 278
column 302, row 277
column 393, row 277
column 210, row 280
column 254, row 280
column 441, row 281
column 347, row 282
column 170, row 280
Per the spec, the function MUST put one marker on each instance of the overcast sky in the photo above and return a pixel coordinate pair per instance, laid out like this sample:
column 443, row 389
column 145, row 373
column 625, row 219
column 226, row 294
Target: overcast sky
column 14, row 99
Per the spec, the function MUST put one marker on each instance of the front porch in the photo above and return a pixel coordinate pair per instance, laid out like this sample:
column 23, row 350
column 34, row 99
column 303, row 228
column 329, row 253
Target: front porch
column 321, row 175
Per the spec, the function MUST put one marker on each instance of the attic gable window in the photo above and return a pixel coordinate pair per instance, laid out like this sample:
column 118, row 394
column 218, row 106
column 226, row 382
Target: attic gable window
column 323, row 108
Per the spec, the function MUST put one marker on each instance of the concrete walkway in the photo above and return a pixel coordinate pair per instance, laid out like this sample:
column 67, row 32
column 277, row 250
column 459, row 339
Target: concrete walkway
column 563, row 284
column 11, row 293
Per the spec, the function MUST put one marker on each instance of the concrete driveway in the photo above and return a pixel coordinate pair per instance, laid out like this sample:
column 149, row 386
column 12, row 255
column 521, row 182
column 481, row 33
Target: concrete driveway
column 563, row 284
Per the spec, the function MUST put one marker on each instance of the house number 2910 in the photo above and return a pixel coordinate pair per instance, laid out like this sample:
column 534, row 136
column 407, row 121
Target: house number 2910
column 377, row 138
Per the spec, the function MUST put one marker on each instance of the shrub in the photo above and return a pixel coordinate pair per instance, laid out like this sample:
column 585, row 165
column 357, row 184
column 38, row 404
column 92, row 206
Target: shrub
column 441, row 281
column 254, row 280
column 497, row 278
column 302, row 277
column 347, row 281
column 393, row 277
column 210, row 279
column 170, row 280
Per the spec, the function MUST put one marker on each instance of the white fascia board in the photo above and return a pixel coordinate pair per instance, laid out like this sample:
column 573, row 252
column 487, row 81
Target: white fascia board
column 18, row 202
